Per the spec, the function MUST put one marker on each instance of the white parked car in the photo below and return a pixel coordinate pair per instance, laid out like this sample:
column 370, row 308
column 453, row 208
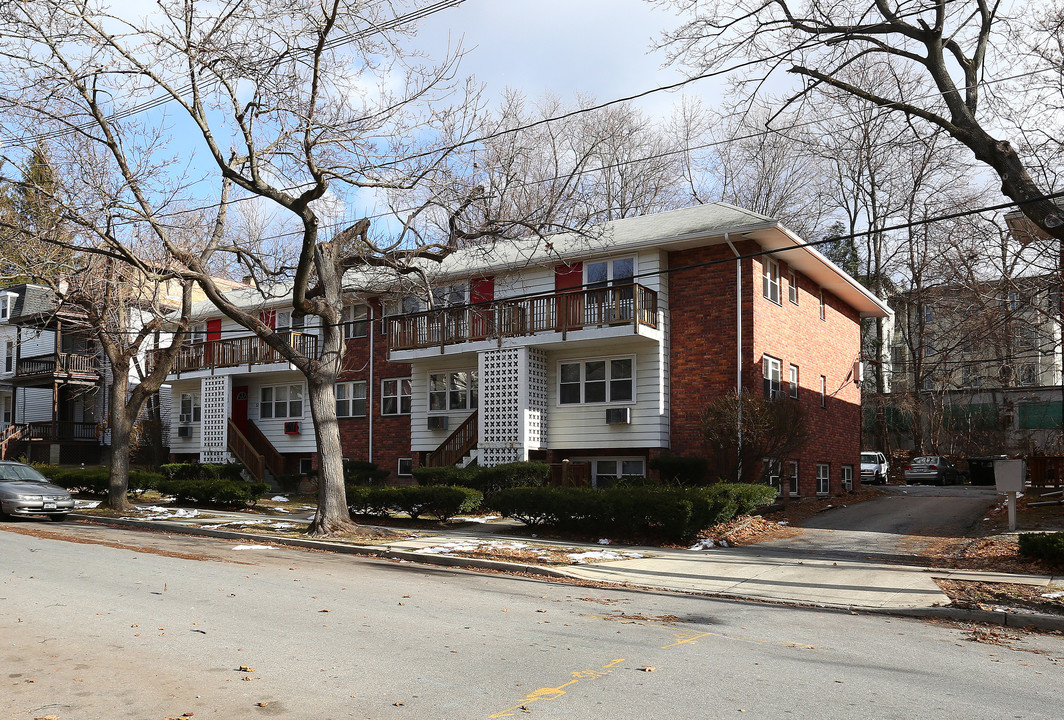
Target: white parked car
column 874, row 467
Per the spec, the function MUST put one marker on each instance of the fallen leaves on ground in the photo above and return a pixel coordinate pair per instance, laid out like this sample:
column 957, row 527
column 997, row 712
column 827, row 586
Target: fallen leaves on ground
column 995, row 596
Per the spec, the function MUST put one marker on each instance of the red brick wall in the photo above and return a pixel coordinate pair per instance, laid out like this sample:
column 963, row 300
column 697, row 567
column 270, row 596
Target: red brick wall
column 703, row 358
column 391, row 433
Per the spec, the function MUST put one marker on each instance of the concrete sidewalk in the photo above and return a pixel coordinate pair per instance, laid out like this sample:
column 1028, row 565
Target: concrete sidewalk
column 751, row 572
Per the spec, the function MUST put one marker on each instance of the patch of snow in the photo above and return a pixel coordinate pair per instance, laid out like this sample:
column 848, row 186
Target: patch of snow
column 252, row 547
column 481, row 519
column 703, row 544
column 281, row 510
column 1054, row 595
column 604, row 541
column 466, row 546
column 279, row 498
column 581, row 558
column 724, row 543
column 86, row 504
column 283, row 526
column 784, row 522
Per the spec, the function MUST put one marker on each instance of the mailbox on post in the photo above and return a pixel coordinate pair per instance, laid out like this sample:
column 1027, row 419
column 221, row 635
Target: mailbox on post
column 1009, row 477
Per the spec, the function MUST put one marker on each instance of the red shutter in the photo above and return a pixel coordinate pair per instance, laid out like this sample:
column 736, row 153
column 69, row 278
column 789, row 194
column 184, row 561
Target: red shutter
column 268, row 317
column 214, row 329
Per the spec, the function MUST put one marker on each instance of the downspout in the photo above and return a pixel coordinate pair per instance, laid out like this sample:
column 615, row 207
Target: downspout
column 738, row 355
column 369, row 388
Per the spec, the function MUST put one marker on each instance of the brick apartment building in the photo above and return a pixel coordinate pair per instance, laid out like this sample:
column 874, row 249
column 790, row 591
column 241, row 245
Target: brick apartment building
column 601, row 348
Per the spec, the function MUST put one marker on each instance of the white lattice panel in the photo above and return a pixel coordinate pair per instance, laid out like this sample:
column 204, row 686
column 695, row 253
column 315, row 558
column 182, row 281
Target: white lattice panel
column 214, row 416
column 513, row 404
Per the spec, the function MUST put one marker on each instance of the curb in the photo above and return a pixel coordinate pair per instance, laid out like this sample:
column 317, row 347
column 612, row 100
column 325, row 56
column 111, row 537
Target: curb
column 1005, row 618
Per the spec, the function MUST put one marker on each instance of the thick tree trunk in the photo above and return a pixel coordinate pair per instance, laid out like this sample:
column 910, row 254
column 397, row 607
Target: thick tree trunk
column 333, row 515
column 120, row 426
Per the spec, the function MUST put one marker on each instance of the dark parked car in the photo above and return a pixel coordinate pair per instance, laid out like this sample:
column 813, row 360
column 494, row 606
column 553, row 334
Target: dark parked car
column 931, row 469
column 24, row 491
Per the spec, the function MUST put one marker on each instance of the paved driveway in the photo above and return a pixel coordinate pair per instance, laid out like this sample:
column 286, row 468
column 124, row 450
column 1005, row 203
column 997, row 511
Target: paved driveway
column 894, row 528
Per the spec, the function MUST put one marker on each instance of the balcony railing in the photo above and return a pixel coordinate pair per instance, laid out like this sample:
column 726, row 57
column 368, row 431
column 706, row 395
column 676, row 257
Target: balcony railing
column 235, row 352
column 560, row 312
column 60, row 431
column 71, row 364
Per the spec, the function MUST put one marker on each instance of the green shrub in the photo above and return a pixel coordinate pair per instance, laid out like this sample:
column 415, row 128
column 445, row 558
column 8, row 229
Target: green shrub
column 439, row 501
column 448, row 475
column 213, row 491
column 202, row 471
column 671, row 513
column 361, row 472
column 1046, row 546
column 491, row 480
column 680, row 470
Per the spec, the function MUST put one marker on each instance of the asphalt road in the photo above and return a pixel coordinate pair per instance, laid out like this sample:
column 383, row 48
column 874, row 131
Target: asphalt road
column 146, row 626
column 891, row 528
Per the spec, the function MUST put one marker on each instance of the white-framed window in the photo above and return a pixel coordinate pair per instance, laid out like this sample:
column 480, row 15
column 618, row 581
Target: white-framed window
column 5, row 306
column 792, row 287
column 197, row 333
column 281, row 401
column 450, row 295
column 793, row 477
column 606, row 380
column 286, row 322
column 306, row 465
column 9, row 356
column 823, row 391
column 771, row 469
column 929, row 313
column 453, row 391
column 351, row 399
column 190, row 408
column 607, row 470
column 823, row 478
column 6, row 404
column 355, row 319
column 395, row 396
column 847, row 477
column 405, row 467
column 792, row 381
column 770, row 280
column 617, row 271
column 771, row 370
column 823, row 306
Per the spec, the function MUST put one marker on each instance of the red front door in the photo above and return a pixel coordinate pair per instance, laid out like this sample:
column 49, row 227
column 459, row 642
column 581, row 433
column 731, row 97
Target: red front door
column 240, row 407
column 570, row 310
column 481, row 293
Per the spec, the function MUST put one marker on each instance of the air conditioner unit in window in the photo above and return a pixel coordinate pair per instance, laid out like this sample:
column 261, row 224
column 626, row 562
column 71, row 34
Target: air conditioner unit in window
column 291, row 428
column 438, row 422
column 184, row 431
column 618, row 416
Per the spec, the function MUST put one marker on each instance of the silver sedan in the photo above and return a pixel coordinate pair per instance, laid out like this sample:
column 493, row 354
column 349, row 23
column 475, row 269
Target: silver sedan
column 24, row 491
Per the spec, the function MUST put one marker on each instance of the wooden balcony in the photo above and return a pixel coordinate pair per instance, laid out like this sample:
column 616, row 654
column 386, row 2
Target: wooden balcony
column 65, row 366
column 60, row 431
column 560, row 312
column 236, row 352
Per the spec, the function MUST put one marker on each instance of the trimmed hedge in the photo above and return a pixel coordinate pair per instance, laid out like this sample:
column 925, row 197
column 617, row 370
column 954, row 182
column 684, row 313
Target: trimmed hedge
column 361, row 472
column 202, row 471
column 96, row 481
column 488, row 480
column 1046, row 546
column 439, row 501
column 214, row 491
column 673, row 513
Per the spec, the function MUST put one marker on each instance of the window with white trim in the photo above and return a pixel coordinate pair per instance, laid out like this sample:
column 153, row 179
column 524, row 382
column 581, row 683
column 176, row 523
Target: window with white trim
column 823, row 478
column 287, row 322
column 197, row 333
column 793, row 477
column 770, row 280
column 771, row 470
column 190, row 408
column 453, row 391
column 792, row 385
column 5, row 412
column 405, row 467
column 5, row 306
column 355, row 320
column 306, row 465
column 351, row 399
column 281, row 401
column 9, row 356
column 449, row 295
column 823, row 391
column 792, row 287
column 609, row 380
column 771, row 369
column 1029, row 374
column 395, row 396
column 607, row 470
column 847, row 477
